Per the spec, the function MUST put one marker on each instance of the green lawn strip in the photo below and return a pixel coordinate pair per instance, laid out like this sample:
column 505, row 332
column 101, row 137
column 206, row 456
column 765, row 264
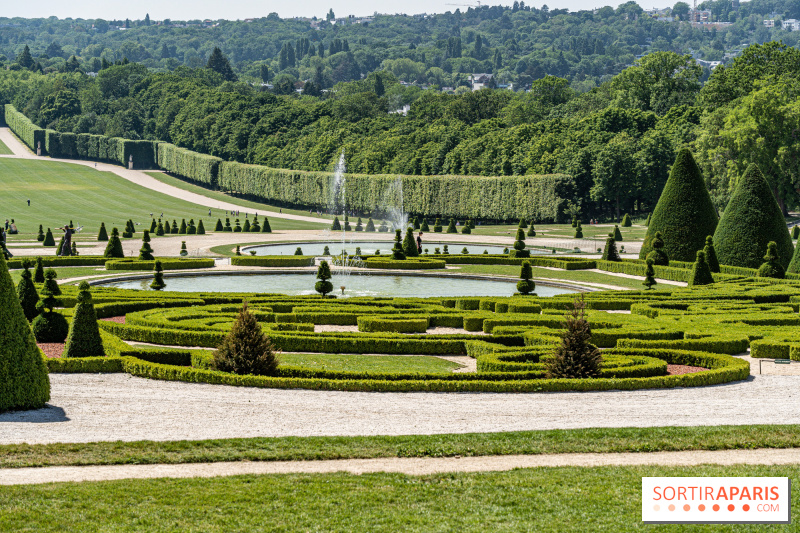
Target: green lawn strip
column 222, row 197
column 369, row 363
column 76, row 272
column 594, row 440
column 575, row 276
column 539, row 499
column 5, row 150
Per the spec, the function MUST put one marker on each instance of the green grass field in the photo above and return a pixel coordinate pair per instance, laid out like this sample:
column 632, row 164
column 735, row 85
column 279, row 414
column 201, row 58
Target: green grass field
column 60, row 192
column 368, row 363
column 540, row 499
column 5, row 150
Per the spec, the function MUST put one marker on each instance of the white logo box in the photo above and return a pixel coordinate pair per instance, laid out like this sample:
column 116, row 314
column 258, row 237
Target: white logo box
column 716, row 500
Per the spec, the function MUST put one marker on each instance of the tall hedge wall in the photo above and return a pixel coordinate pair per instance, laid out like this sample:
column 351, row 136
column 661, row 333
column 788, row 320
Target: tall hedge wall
column 100, row 147
column 532, row 197
column 27, row 131
column 195, row 166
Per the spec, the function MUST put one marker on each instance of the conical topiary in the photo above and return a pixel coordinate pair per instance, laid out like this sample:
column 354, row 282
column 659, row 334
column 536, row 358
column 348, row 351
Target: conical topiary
column 409, row 244
column 711, row 254
column 246, row 226
column 649, row 275
column 146, row 252
column 752, row 219
column 684, row 214
column 38, row 274
column 794, row 265
column 24, row 382
column 50, row 326
column 219, row 226
column 336, row 226
column 772, row 267
column 114, row 246
column 531, row 231
column 246, row 349
column 647, row 222
column 265, row 228
column 424, row 226
column 26, row 292
column 526, row 285
column 415, row 223
column 158, row 277
column 626, row 221
column 84, row 339
column 201, row 230
column 795, row 232
column 437, row 225
column 183, row 251
column 617, row 234
column 48, row 239
column 359, row 226
column 347, row 223
column 467, row 229
column 579, row 231
column 451, row 228
column 102, row 235
column 519, row 245
column 610, row 252
column 153, row 225
column 397, row 250
column 701, row 274
column 370, row 226
column 658, row 255
column 323, row 286
column 40, row 236
column 160, row 229
column 522, row 224
column 191, row 229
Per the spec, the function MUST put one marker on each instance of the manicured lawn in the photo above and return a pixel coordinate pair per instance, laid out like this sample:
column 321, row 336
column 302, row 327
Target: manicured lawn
column 541, row 499
column 595, row 440
column 5, row 150
column 75, row 272
column 576, row 276
column 60, row 192
column 368, row 363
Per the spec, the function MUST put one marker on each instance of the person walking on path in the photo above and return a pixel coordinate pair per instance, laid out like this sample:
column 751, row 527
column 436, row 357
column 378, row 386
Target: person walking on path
column 419, row 243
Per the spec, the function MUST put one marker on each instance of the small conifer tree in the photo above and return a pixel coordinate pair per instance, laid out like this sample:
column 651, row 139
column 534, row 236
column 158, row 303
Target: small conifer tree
column 183, row 251
column 526, row 285
column 445, row 250
column 201, row 230
column 146, row 252
column 579, row 231
column 424, row 226
column 50, row 326
column 658, row 255
column 531, row 231
column 626, row 221
column 238, row 250
column 649, row 275
column 238, row 227
column 48, row 239
column 299, row 251
column 246, row 226
column 359, row 227
column 38, row 274
column 466, row 230
column 191, row 229
column 336, row 226
column 246, row 349
column 153, row 225
column 84, row 339
column 347, row 223
column 574, row 222
column 409, row 244
column 711, row 254
column 114, row 246
column 74, row 248
column 519, row 245
column 451, row 228
column 370, row 226
column 326, row 251
column 40, row 236
column 265, row 228
column 102, row 235
column 647, row 222
column 437, row 225
column 701, row 274
column 26, row 291
column 397, row 250
column 416, row 223
column 610, row 251
column 158, row 277
column 795, row 232
column 160, row 229
column 464, row 250
column 324, row 286
column 617, row 234
column 523, row 224
column 175, row 228
column 771, row 268
column 383, row 228
column 219, row 226
column 575, row 357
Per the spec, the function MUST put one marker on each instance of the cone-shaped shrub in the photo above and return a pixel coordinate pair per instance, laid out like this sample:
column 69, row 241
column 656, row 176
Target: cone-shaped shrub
column 647, row 222
column 323, row 286
column 74, row 248
column 146, row 252
column 347, row 223
column 265, row 228
column 175, row 228
column 238, row 250
column 409, row 244
column 684, row 214
column 40, row 236
column 579, row 231
column 50, row 326
column 658, row 255
column 526, row 285
column 464, row 250
column 48, row 239
column 451, row 228
column 519, row 245
column 191, row 229
column 219, row 226
column 575, row 357
column 610, row 251
column 446, row 251
column 701, row 274
column 299, row 251
column 160, row 229
column 626, row 221
column 158, row 276
column 26, row 292
column 383, row 228
column 102, row 235
column 531, row 231
column 466, row 230
column 397, row 249
column 574, row 222
column 751, row 219
column 772, row 267
column 24, row 383
column 416, row 223
column 153, row 225
column 794, row 266
column 359, row 227
column 114, row 246
column 255, row 227
column 183, row 251
column 238, row 227
column 617, row 234
column 711, row 254
column 246, row 226
column 246, row 349
column 227, row 225
column 84, row 339
column 336, row 226
column 370, row 225
column 201, row 230
column 795, row 232
column 424, row 226
column 649, row 275
column 437, row 225
column 522, row 224
column 38, row 274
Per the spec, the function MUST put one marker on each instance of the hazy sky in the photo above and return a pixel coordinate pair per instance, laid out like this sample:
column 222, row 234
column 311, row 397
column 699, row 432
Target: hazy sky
column 240, row 9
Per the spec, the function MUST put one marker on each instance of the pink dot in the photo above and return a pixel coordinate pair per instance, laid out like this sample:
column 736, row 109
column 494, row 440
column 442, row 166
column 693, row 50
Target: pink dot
column 716, row 507
column 671, row 507
column 701, row 507
column 687, row 507
column 731, row 507
column 745, row 507
column 656, row 507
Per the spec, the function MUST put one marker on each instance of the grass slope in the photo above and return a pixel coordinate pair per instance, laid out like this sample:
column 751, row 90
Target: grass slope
column 60, row 192
column 5, row 150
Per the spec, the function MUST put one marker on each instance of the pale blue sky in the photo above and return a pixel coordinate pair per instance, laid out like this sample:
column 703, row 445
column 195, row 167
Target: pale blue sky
column 240, row 9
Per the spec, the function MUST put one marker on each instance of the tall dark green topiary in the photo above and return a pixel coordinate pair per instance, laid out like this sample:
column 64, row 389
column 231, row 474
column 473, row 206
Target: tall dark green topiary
column 610, row 252
column 409, row 244
column 437, row 225
column 323, row 286
column 201, row 230
column 531, row 231
column 397, row 250
column 794, row 265
column 649, row 275
column 219, row 226
column 24, row 382
column 701, row 274
column 711, row 254
column 160, row 229
column 50, row 326
column 370, row 226
column 451, row 228
column 658, row 255
column 184, row 252
column 255, row 227
column 617, row 234
column 48, row 239
column 416, row 223
column 795, row 232
column 752, row 219
column 102, row 235
column 114, row 246
column 38, row 274
column 526, row 285
column 246, row 349
column 191, row 229
column 772, row 267
column 265, row 228
column 153, row 225
column 579, row 231
column 575, row 357
column 522, row 224
column 647, row 222
column 574, row 222
column 40, row 236
column 175, row 228
column 347, row 223
column 626, row 221
column 299, row 251
column 467, row 229
column 84, row 339
column 146, row 252
column 26, row 292
column 336, row 226
column 158, row 277
column 238, row 227
column 519, row 245
column 684, row 214
column 246, row 226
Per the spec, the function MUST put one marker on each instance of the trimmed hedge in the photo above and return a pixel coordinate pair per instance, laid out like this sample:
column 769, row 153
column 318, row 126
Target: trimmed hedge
column 167, row 263
column 68, row 261
column 197, row 167
column 27, row 131
column 397, row 325
column 273, row 261
column 407, row 264
column 100, row 147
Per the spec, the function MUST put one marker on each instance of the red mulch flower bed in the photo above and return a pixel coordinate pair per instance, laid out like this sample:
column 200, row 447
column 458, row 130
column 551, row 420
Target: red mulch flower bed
column 674, row 370
column 117, row 319
column 52, row 350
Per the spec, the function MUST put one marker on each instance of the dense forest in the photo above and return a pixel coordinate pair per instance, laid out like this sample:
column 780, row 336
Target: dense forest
column 616, row 140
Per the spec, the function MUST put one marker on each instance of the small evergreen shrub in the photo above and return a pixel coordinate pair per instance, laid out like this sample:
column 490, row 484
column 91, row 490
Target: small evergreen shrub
column 397, row 249
column 336, row 226
column 84, row 339
column 160, row 229
column 326, row 251
column 701, row 274
column 238, row 227
column 383, row 228
column 519, row 245
column 183, row 251
column 201, row 230
column 158, row 277
column 191, row 229
column 526, row 285
column 219, row 226
column 522, row 224
column 102, row 235
column 617, row 234
column 324, row 286
column 409, row 244
column 114, row 246
column 246, row 226
column 38, row 274
column 626, row 221
column 40, row 236
column 416, row 223
column 464, row 250
column 771, row 268
column 299, row 251
column 610, row 251
column 266, row 228
column 451, row 228
column 48, row 239
column 370, row 226
column 437, row 225
column 228, row 226
column 146, row 252
column 153, row 225
column 575, row 357
column 649, row 275
column 26, row 292
column 347, row 223
column 445, row 251
column 50, row 326
column 531, row 231
column 424, row 226
column 647, row 222
column 359, row 227
column 579, row 231
column 658, row 255
column 574, row 222
column 175, row 228
column 466, row 230
column 711, row 255
column 246, row 350
column 795, row 232
column 238, row 250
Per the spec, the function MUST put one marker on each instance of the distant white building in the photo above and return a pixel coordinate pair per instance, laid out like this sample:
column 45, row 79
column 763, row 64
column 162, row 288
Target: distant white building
column 479, row 81
column 769, row 23
column 791, row 25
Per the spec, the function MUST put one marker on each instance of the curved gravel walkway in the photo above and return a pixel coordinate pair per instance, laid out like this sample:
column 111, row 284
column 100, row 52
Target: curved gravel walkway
column 403, row 465
column 108, row 407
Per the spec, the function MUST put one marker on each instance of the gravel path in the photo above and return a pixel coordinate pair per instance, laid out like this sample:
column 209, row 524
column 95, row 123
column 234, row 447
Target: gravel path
column 107, row 407
column 407, row 465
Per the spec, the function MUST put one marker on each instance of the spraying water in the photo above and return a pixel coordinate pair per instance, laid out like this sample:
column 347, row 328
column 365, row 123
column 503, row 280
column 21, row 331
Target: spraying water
column 343, row 263
column 393, row 205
